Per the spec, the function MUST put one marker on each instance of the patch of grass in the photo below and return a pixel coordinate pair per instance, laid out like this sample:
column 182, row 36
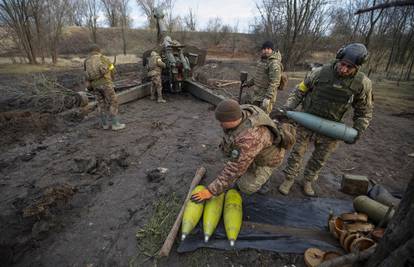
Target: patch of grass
column 397, row 95
column 152, row 235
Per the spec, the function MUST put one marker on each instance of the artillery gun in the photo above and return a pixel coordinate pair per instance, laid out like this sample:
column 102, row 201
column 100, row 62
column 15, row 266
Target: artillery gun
column 180, row 59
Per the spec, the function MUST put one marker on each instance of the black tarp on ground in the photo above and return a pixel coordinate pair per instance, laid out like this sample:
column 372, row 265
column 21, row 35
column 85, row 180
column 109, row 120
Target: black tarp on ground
column 286, row 225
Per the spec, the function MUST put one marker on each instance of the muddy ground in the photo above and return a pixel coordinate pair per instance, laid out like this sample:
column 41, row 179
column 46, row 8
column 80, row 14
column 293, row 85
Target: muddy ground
column 73, row 194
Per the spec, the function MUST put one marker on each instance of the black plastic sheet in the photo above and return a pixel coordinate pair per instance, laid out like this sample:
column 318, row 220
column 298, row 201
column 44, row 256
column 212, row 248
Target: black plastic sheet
column 309, row 213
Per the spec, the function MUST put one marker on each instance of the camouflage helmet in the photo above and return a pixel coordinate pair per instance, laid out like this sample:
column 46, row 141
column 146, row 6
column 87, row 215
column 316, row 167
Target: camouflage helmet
column 355, row 53
column 94, row 48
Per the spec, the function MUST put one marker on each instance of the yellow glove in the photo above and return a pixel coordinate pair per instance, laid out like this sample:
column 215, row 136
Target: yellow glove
column 201, row 196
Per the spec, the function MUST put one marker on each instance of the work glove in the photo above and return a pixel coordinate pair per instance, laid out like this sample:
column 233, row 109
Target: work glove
column 202, row 196
column 356, row 138
column 266, row 103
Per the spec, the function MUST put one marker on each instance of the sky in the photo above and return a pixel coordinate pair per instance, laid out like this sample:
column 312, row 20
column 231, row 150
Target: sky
column 230, row 11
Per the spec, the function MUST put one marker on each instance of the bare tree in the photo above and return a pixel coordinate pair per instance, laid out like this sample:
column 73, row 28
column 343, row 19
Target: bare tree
column 299, row 24
column 77, row 12
column 168, row 7
column 217, row 30
column 125, row 21
column 55, row 19
column 385, row 5
column 92, row 11
column 16, row 15
column 234, row 38
column 112, row 10
column 148, row 7
column 190, row 20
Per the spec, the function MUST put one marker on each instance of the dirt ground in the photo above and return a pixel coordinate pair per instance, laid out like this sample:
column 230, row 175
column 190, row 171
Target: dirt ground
column 73, row 194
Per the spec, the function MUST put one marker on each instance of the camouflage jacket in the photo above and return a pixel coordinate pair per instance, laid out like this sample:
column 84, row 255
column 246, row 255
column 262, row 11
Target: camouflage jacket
column 98, row 69
column 325, row 94
column 155, row 64
column 266, row 79
column 263, row 145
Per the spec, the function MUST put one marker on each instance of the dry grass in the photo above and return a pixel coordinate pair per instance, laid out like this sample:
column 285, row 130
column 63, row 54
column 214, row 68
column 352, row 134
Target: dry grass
column 22, row 68
column 399, row 96
column 152, row 235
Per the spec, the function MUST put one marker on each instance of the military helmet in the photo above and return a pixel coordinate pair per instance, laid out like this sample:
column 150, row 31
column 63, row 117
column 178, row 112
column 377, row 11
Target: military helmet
column 94, row 48
column 355, row 53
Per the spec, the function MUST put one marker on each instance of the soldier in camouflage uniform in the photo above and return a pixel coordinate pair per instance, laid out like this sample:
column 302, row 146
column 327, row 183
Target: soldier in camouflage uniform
column 254, row 144
column 266, row 79
column 155, row 65
column 99, row 71
column 328, row 92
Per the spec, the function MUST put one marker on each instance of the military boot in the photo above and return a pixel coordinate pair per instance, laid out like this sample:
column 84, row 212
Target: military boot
column 307, row 189
column 265, row 188
column 161, row 100
column 104, row 122
column 152, row 94
column 116, row 125
column 284, row 188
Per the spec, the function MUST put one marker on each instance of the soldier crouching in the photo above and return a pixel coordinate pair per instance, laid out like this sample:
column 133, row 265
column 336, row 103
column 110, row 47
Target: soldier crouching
column 254, row 145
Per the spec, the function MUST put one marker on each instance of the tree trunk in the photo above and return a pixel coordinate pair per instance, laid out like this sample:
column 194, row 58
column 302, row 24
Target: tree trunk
column 410, row 66
column 124, row 43
column 396, row 248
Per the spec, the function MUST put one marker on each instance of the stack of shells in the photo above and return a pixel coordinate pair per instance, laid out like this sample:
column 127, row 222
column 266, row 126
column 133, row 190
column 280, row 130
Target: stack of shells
column 229, row 204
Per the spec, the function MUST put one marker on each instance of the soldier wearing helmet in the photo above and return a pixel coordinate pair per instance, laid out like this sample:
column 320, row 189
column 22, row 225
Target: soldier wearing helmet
column 328, row 92
column 155, row 66
column 99, row 72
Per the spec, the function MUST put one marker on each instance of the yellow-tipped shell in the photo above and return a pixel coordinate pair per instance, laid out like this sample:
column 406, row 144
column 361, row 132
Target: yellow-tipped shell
column 192, row 214
column 212, row 214
column 233, row 214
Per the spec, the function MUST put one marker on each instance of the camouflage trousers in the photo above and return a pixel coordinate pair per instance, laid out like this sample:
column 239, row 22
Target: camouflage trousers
column 106, row 99
column 156, row 87
column 249, row 98
column 324, row 146
column 254, row 178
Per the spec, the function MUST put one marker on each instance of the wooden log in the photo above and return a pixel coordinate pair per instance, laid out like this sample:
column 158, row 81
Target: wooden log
column 169, row 241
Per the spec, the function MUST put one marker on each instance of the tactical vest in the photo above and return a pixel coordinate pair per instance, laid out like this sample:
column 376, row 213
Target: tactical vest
column 254, row 117
column 97, row 69
column 153, row 68
column 261, row 78
column 92, row 67
column 330, row 97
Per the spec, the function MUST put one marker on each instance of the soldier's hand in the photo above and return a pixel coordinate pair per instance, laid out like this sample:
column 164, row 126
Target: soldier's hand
column 202, row 196
column 244, row 84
